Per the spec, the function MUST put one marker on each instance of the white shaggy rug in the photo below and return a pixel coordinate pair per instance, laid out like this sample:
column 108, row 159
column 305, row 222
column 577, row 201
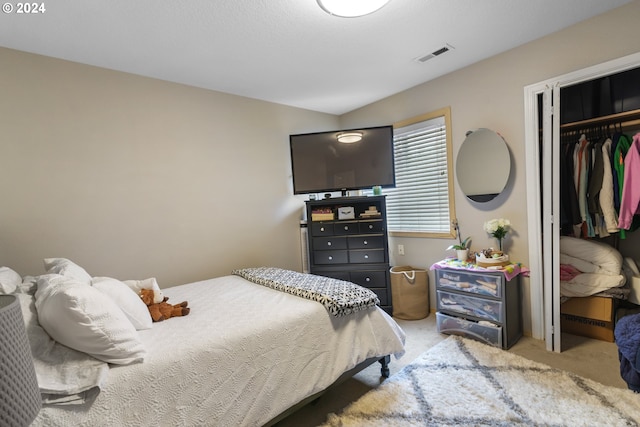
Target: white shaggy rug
column 460, row 382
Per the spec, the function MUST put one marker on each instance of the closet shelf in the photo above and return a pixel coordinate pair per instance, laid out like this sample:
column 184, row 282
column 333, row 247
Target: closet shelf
column 625, row 119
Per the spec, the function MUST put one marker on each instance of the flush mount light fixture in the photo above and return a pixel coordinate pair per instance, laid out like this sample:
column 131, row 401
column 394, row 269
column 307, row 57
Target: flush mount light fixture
column 351, row 8
column 349, row 137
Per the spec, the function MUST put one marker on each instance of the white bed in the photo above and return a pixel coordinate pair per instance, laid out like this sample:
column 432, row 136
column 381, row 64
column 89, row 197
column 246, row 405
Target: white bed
column 245, row 354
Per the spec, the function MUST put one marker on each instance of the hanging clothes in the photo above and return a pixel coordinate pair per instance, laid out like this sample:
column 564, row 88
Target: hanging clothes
column 609, row 214
column 580, row 179
column 622, row 147
column 596, row 176
column 630, row 192
column 569, row 210
column 597, row 173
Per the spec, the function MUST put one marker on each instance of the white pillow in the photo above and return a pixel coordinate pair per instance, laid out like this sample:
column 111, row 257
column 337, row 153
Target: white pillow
column 151, row 283
column 29, row 285
column 9, row 280
column 125, row 298
column 86, row 320
column 67, row 268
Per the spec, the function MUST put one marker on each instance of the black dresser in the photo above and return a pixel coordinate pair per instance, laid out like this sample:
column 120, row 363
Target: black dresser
column 348, row 240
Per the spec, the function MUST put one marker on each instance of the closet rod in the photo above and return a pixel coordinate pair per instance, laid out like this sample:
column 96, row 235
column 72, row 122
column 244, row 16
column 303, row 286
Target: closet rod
column 626, row 119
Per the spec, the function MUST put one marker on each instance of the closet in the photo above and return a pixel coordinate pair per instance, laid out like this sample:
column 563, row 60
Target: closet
column 598, row 120
column 589, row 105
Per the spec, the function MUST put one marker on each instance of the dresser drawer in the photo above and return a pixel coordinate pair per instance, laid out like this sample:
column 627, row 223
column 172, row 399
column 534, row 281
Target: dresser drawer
column 470, row 305
column 365, row 256
column 332, row 242
column 322, row 229
column 485, row 332
column 346, row 227
column 474, row 283
column 330, row 257
column 372, row 226
column 366, row 242
column 370, row 279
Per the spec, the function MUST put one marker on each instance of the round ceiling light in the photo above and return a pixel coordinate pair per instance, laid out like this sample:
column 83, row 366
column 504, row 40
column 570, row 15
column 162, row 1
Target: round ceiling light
column 349, row 137
column 351, row 8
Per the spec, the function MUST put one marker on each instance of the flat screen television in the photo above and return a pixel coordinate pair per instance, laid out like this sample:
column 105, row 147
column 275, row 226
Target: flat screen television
column 322, row 164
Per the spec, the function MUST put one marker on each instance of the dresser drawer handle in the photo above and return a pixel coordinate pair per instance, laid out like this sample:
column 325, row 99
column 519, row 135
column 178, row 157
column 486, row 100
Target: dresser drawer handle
column 330, row 258
column 322, row 229
column 346, row 228
column 366, row 257
column 328, row 243
column 370, row 226
column 367, row 279
column 366, row 243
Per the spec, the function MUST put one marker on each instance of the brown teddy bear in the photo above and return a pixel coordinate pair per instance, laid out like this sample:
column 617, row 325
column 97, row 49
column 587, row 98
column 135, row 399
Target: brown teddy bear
column 162, row 310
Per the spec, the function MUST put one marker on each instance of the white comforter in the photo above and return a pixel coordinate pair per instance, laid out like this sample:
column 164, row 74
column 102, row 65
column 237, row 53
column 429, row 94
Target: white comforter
column 243, row 355
column 600, row 264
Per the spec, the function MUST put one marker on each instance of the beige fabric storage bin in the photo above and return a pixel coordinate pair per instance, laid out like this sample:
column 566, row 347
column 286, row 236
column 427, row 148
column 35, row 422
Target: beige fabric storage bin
column 409, row 293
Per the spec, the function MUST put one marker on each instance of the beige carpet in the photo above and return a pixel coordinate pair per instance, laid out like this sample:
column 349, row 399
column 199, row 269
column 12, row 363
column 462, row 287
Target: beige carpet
column 460, row 382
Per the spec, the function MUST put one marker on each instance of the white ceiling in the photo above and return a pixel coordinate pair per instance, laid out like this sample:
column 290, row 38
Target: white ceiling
column 288, row 51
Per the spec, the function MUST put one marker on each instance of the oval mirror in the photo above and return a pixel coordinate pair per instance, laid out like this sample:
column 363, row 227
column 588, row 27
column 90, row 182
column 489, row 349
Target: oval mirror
column 483, row 165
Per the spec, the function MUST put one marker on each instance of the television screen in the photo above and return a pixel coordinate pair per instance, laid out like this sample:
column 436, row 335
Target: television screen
column 320, row 163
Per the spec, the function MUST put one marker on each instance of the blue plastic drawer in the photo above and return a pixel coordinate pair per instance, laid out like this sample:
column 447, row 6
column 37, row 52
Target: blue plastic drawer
column 474, row 283
column 470, row 305
column 485, row 332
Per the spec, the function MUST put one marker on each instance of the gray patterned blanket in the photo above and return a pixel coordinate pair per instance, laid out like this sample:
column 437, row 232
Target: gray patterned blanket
column 339, row 297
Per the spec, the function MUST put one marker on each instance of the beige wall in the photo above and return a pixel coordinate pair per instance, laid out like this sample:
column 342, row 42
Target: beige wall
column 133, row 177
column 491, row 94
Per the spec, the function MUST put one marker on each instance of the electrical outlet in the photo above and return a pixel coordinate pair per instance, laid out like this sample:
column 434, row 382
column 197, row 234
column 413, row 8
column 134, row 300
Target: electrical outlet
column 400, row 249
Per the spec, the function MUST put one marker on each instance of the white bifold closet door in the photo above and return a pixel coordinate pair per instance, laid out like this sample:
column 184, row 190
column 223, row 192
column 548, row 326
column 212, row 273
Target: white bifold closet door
column 543, row 193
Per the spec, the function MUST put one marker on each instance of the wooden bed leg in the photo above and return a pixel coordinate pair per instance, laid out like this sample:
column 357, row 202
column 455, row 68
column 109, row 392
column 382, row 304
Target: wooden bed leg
column 384, row 370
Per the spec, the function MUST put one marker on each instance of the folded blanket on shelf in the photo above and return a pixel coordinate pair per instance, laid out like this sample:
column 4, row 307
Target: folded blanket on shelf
column 588, row 267
column 590, row 256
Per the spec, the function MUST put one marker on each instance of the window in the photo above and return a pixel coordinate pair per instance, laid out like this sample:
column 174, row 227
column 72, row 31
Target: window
column 422, row 202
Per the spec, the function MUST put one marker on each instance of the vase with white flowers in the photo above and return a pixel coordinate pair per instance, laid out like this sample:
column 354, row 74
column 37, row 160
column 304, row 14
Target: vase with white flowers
column 462, row 248
column 498, row 228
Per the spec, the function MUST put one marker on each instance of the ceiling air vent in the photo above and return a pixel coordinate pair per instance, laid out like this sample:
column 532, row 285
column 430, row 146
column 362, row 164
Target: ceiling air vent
column 446, row 48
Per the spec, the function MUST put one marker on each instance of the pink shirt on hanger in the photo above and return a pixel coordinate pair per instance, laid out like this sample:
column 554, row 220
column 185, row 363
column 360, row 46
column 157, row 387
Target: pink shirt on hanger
column 630, row 201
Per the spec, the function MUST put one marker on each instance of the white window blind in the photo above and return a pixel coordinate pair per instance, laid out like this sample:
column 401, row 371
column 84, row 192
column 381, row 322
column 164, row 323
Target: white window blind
column 420, row 201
